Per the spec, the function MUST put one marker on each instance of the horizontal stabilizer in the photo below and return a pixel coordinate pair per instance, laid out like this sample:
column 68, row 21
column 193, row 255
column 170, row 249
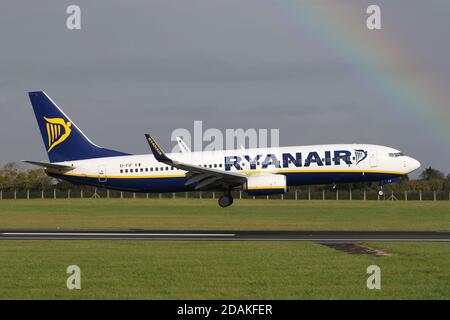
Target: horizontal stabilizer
column 50, row 165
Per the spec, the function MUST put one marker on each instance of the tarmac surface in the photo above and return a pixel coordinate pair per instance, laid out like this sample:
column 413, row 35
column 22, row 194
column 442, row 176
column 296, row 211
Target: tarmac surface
column 216, row 235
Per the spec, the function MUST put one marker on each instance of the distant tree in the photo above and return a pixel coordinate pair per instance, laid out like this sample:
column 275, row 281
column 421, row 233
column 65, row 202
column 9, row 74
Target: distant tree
column 431, row 174
column 13, row 177
column 8, row 175
column 38, row 180
column 20, row 180
column 65, row 185
column 448, row 177
column 446, row 185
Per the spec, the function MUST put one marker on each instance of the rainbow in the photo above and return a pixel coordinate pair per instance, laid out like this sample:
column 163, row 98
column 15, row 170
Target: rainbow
column 342, row 28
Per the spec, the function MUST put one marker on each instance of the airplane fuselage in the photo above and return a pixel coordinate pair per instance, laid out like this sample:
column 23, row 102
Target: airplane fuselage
column 302, row 165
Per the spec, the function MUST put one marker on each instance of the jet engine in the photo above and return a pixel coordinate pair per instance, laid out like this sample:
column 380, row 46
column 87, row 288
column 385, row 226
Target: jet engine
column 265, row 184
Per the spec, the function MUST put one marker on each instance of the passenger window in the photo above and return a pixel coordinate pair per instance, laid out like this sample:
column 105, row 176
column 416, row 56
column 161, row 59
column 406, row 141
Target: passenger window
column 121, row 170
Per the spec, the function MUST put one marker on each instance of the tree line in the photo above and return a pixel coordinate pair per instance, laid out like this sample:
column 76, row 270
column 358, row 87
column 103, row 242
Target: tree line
column 14, row 177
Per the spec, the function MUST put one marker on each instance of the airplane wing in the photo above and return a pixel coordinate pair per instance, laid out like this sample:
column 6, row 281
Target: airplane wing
column 207, row 178
column 50, row 165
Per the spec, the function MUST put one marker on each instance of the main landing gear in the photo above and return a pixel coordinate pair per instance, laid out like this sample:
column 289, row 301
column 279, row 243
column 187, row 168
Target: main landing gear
column 225, row 200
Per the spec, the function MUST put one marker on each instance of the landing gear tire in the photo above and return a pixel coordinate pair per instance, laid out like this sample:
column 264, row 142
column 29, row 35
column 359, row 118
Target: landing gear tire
column 225, row 201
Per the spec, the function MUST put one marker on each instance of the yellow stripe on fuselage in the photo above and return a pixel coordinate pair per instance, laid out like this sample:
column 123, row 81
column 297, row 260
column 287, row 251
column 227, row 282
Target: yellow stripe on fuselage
column 265, row 187
column 182, row 175
column 319, row 171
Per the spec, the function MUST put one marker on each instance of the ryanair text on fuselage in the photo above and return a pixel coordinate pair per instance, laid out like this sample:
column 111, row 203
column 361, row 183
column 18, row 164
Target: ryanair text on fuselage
column 287, row 159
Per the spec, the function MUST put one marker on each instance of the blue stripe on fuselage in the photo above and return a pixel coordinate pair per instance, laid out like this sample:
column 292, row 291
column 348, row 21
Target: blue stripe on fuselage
column 150, row 185
column 311, row 178
column 176, row 184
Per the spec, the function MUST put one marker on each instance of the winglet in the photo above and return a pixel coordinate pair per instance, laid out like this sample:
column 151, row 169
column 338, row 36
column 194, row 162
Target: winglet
column 156, row 150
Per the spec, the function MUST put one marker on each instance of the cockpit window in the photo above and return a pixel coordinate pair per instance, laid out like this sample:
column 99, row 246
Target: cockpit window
column 396, row 154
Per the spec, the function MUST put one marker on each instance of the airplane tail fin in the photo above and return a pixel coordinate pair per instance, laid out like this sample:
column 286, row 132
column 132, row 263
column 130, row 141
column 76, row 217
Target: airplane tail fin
column 62, row 138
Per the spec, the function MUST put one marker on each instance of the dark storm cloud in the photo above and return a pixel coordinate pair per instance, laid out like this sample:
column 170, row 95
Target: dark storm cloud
column 172, row 69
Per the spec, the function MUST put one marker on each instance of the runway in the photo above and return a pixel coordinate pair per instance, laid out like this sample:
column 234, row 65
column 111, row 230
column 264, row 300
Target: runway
column 190, row 235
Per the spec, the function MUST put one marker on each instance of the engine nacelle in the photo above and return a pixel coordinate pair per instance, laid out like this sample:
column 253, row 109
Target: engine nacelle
column 265, row 184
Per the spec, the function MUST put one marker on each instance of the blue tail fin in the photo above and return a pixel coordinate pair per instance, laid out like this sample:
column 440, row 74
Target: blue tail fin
column 62, row 138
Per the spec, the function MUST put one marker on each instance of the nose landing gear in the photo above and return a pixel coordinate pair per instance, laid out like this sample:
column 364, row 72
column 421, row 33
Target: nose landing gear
column 226, row 200
column 380, row 191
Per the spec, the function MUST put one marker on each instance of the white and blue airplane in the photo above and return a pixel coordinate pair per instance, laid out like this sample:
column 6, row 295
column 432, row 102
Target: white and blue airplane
column 259, row 171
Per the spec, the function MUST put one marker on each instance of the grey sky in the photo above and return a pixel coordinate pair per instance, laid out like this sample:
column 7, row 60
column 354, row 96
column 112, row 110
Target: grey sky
column 154, row 66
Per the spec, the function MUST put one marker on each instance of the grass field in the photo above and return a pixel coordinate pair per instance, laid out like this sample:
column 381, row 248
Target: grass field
column 243, row 215
column 217, row 270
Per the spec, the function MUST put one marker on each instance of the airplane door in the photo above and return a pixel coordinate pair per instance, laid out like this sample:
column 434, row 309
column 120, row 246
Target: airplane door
column 102, row 174
column 373, row 159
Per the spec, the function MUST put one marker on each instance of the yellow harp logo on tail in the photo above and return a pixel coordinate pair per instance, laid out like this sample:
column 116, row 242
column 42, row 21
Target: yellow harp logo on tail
column 57, row 131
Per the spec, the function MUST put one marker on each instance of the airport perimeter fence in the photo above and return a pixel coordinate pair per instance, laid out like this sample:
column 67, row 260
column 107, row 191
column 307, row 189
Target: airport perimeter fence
column 336, row 195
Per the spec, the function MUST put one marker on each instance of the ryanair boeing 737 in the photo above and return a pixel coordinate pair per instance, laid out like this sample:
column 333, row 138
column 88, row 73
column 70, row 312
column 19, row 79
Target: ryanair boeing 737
column 259, row 171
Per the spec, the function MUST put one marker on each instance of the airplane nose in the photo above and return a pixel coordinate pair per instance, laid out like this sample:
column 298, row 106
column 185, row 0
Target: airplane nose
column 413, row 164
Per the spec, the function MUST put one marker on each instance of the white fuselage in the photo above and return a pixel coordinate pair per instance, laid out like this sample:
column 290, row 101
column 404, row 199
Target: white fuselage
column 315, row 164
